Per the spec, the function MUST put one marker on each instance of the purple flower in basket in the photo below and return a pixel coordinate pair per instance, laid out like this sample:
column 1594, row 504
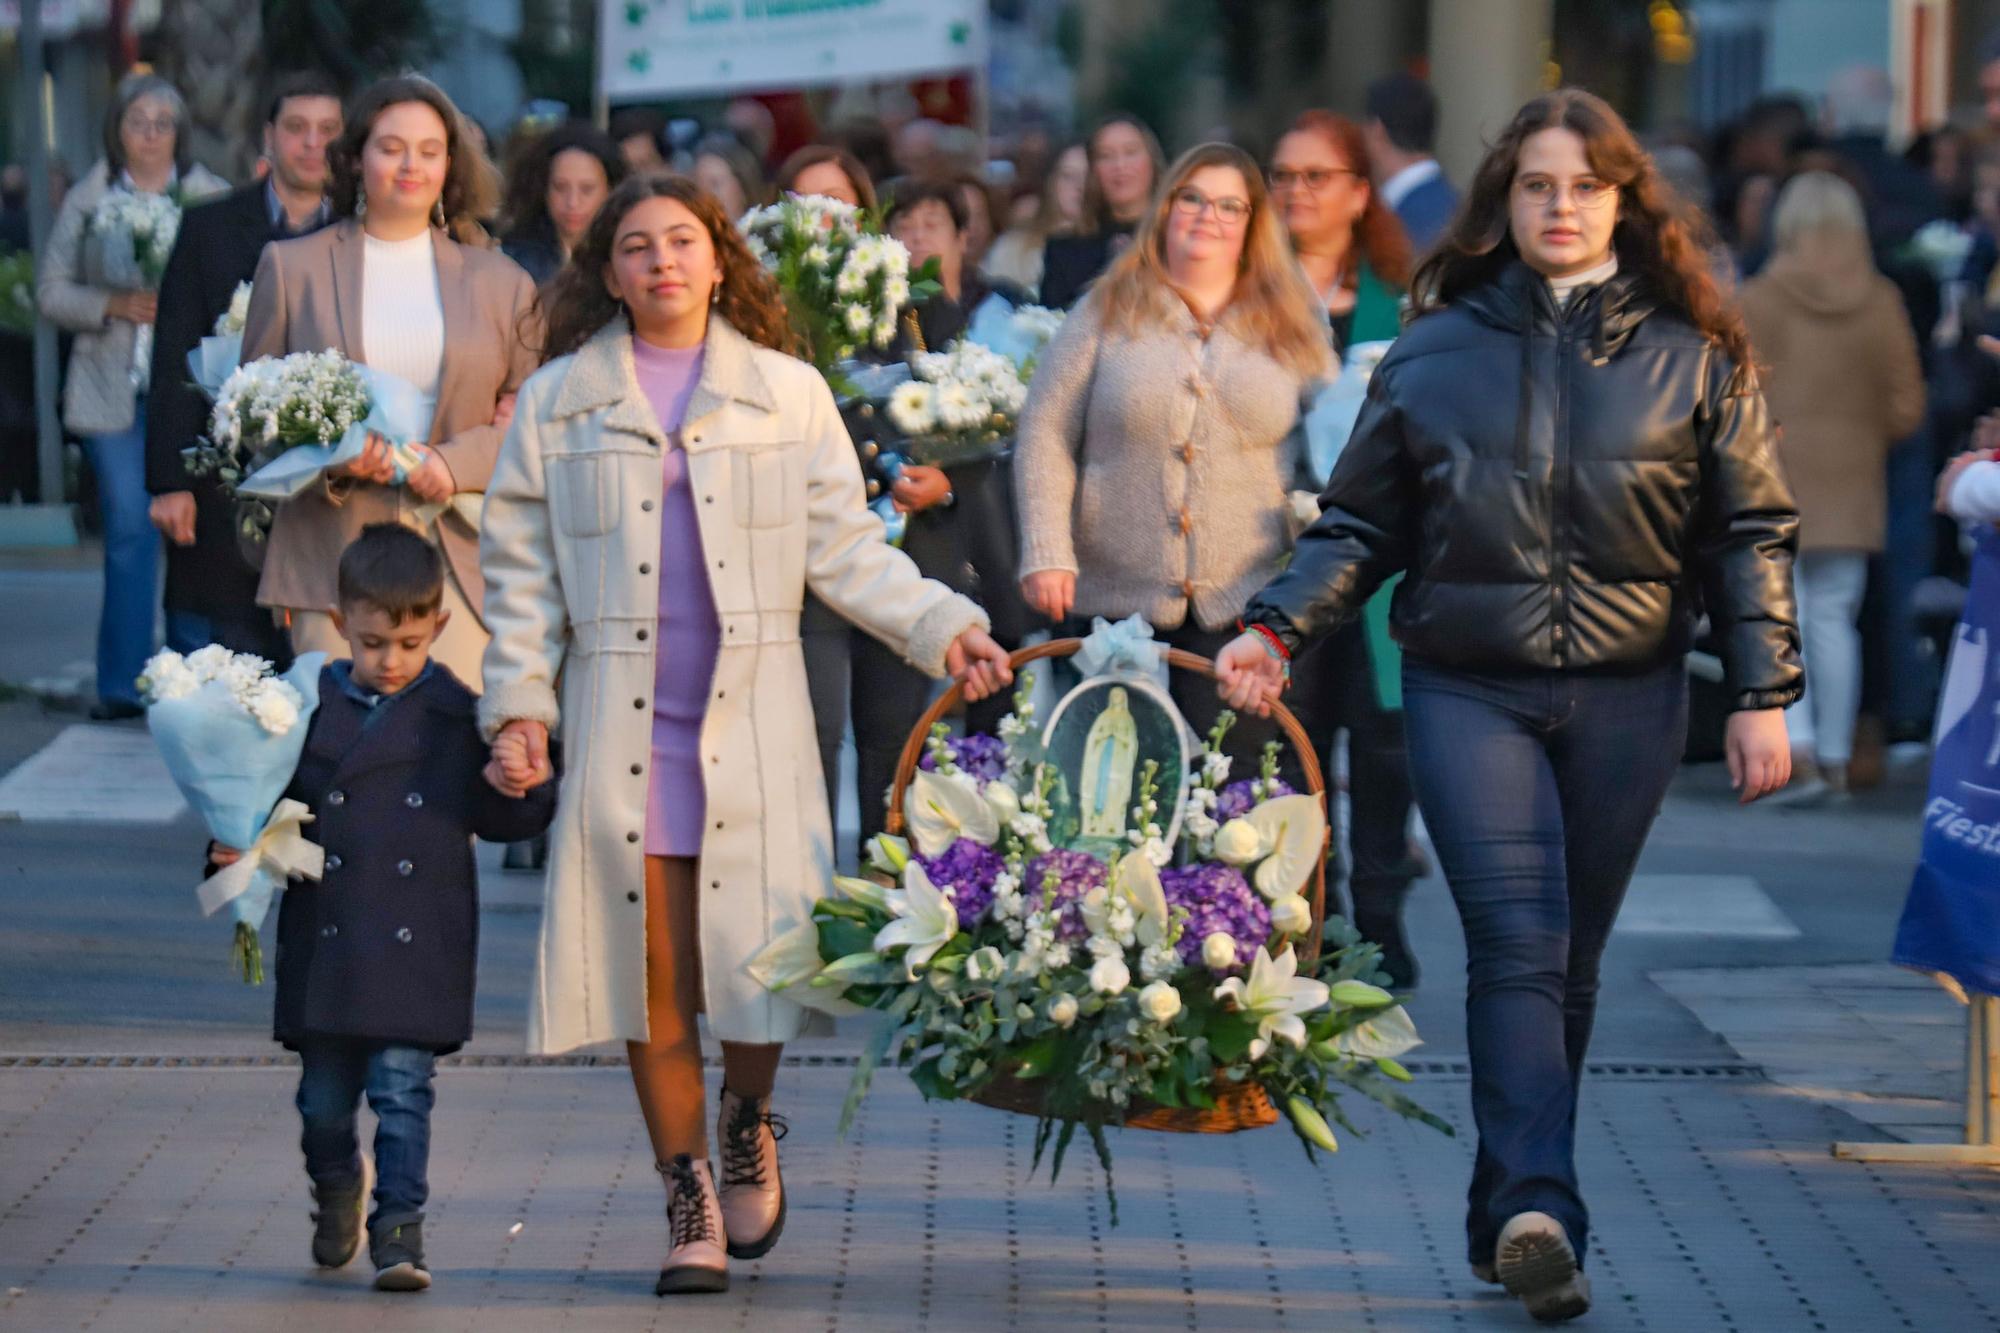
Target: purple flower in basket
column 1216, row 897
column 965, row 874
column 1237, row 800
column 979, row 755
column 1077, row 873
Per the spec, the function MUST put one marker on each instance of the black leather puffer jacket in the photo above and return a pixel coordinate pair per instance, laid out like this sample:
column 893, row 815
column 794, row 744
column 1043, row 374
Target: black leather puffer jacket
column 1565, row 488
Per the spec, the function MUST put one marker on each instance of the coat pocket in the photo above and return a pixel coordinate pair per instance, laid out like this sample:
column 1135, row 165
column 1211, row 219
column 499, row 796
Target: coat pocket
column 769, row 486
column 584, row 491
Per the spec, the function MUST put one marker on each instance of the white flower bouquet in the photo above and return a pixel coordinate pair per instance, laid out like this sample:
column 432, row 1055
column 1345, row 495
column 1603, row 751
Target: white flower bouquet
column 133, row 233
column 961, row 405
column 215, row 357
column 280, row 423
column 843, row 281
column 1154, row 974
column 1941, row 246
column 231, row 733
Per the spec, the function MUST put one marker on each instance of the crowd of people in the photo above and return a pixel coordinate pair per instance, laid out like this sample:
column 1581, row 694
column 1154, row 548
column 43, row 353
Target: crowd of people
column 1565, row 475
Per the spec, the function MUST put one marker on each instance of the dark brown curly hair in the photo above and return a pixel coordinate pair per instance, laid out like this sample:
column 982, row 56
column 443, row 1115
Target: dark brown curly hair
column 471, row 184
column 576, row 303
column 1654, row 237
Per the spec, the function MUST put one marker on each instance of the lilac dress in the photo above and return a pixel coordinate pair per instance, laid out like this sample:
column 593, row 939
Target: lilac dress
column 689, row 634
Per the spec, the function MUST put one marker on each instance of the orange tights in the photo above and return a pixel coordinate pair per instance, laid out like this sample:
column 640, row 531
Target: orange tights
column 666, row 1070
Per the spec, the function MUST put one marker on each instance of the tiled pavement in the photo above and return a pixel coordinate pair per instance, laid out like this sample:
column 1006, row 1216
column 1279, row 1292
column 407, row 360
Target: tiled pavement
column 169, row 1198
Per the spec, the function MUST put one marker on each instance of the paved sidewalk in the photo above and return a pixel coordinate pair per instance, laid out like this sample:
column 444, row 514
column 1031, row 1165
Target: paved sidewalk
column 158, row 1199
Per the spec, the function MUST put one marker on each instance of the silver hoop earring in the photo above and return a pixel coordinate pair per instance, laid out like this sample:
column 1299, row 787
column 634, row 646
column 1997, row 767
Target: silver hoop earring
column 360, row 205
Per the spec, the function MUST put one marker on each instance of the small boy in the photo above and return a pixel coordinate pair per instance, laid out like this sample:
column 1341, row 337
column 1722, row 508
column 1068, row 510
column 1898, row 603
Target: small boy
column 375, row 962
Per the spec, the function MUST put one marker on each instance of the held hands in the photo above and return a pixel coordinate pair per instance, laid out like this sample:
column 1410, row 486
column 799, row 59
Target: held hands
column 979, row 664
column 432, row 481
column 1248, row 677
column 133, row 307
column 1050, row 591
column 1760, row 753
column 173, row 514
column 520, row 759
column 920, row 488
column 375, row 464
column 503, row 412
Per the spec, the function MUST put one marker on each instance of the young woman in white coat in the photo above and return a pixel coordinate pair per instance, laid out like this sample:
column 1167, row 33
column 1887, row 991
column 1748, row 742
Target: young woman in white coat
column 673, row 483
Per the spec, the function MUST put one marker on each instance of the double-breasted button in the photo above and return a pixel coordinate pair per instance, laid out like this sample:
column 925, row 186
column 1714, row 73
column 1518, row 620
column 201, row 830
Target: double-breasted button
column 631, row 895
column 404, row 935
column 406, row 868
column 870, row 449
column 333, row 861
column 336, row 798
column 631, row 837
column 645, row 567
column 646, row 506
column 328, row 932
column 874, row 489
column 414, row 800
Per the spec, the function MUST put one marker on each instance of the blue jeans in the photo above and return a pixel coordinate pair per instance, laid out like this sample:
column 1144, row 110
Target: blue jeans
column 131, row 559
column 397, row 1081
column 1538, row 790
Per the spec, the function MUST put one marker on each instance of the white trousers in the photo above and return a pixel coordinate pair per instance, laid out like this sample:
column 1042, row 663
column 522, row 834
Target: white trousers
column 1830, row 586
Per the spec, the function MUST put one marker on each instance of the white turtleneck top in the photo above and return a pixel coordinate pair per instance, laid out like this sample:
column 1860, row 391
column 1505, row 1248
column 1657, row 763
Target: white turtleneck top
column 402, row 313
column 1566, row 287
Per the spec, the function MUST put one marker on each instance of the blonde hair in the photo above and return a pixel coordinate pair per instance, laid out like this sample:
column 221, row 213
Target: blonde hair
column 1273, row 307
column 1816, row 202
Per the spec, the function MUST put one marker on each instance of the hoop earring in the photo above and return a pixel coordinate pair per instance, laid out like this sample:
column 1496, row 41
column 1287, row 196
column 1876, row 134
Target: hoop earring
column 437, row 214
column 360, row 205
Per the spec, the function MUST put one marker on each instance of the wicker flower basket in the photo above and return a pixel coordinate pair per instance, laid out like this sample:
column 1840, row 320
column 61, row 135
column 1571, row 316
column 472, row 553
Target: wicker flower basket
column 1243, row 1106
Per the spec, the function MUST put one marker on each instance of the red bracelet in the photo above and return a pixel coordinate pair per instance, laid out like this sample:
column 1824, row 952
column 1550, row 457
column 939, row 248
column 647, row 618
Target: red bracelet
column 1271, row 639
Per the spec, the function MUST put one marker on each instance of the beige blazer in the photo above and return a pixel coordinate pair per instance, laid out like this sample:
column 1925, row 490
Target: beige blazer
column 307, row 298
column 572, row 532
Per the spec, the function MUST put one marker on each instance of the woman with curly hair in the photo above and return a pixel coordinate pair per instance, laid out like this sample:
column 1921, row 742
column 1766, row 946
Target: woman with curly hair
column 562, row 180
column 1566, row 451
column 674, row 482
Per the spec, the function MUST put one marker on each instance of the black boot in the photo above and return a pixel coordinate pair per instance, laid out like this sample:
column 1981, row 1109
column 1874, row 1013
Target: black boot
column 398, row 1254
column 337, row 1220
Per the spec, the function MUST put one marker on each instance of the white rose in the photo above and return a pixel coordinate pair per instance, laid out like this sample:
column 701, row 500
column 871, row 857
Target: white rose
column 1291, row 915
column 1218, row 952
column 1062, row 1010
column 985, row 965
column 1005, row 801
column 275, row 712
column 1110, row 976
column 1238, row 842
column 1160, row 1002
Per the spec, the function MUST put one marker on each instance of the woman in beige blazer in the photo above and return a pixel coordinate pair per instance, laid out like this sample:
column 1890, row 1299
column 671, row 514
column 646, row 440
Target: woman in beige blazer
column 389, row 287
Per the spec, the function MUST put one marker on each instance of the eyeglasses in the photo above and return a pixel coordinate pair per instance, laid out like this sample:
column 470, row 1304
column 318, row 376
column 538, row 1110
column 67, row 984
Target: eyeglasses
column 153, row 125
column 1312, row 179
column 1230, row 211
column 1586, row 193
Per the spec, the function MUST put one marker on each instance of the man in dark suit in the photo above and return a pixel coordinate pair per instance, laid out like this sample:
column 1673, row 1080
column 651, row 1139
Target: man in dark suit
column 1401, row 132
column 211, row 588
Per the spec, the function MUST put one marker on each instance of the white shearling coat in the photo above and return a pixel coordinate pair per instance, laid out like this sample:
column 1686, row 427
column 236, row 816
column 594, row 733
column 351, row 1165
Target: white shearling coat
column 572, row 519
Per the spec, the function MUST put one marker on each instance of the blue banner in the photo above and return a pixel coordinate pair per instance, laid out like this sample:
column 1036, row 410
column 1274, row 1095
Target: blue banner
column 1951, row 922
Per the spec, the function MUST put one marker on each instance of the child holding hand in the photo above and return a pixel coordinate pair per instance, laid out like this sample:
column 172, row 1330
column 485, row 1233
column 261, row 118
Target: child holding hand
column 375, row 962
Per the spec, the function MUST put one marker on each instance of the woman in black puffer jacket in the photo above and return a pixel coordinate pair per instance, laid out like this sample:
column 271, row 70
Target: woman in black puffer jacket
column 1568, row 454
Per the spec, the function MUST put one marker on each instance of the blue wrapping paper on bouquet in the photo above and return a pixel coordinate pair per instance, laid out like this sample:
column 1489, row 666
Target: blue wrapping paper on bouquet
column 1951, row 919
column 233, row 771
column 398, row 411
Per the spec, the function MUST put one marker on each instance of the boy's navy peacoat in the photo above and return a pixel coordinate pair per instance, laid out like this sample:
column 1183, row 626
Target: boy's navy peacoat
column 385, row 946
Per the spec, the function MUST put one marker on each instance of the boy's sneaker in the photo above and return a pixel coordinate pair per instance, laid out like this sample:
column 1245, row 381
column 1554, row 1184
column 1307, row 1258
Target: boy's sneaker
column 338, row 1218
column 398, row 1253
column 1536, row 1263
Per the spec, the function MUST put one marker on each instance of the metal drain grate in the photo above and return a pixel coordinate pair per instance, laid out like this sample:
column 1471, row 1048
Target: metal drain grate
column 1616, row 1070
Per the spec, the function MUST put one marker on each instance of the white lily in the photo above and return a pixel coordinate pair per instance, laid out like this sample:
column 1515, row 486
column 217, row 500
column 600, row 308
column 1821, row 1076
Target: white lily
column 925, row 919
column 1277, row 997
column 1238, row 842
column 790, row 963
column 941, row 810
column 1383, row 1037
column 888, row 854
column 1291, row 915
column 1293, row 833
column 1006, row 802
column 864, row 891
column 1139, row 880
